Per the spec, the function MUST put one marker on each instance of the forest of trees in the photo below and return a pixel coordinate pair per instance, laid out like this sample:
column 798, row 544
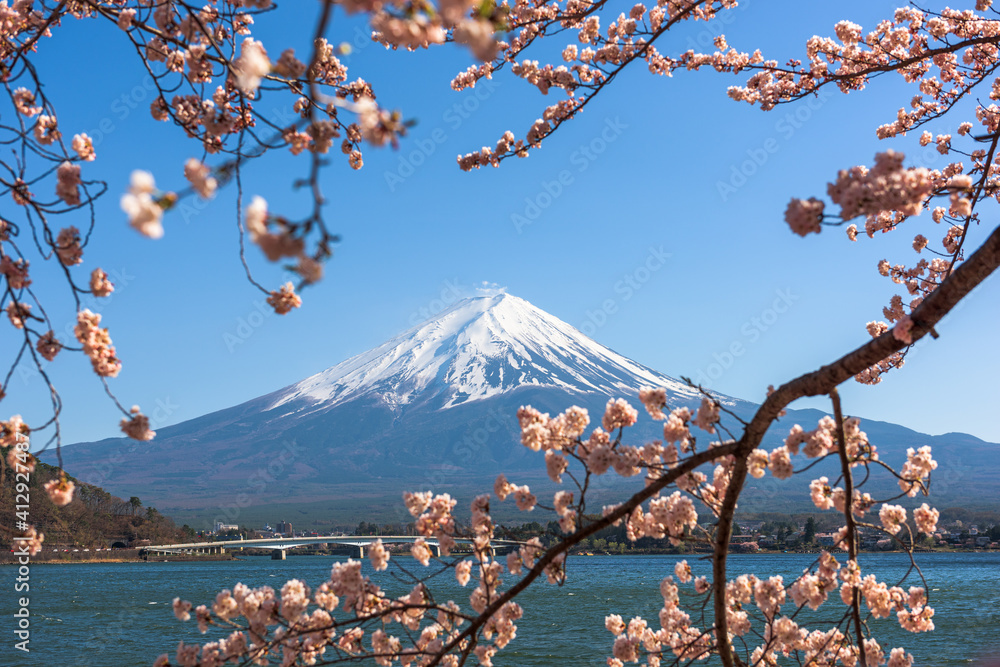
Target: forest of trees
column 94, row 518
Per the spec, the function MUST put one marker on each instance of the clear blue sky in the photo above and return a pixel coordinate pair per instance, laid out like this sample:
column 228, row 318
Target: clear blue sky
column 190, row 330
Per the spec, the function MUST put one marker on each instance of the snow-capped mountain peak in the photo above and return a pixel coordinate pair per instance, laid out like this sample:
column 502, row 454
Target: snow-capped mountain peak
column 479, row 347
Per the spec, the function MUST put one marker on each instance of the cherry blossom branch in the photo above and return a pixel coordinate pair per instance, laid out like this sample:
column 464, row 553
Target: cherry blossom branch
column 979, row 266
column 852, row 543
column 825, row 380
column 562, row 547
column 55, row 15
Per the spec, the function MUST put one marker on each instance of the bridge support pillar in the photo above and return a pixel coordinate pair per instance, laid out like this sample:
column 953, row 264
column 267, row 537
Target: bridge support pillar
column 435, row 549
column 361, row 551
column 277, row 554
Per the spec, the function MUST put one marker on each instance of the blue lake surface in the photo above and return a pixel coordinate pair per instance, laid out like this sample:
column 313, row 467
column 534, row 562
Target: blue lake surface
column 118, row 614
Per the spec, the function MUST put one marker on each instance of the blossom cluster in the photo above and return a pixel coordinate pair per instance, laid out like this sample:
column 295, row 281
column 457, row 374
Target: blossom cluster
column 434, row 520
column 350, row 617
column 145, row 212
column 916, row 471
column 885, row 187
column 14, row 436
column 422, row 26
column 781, row 634
column 284, row 241
column 589, row 65
column 943, row 55
column 136, row 426
column 756, row 607
column 96, row 344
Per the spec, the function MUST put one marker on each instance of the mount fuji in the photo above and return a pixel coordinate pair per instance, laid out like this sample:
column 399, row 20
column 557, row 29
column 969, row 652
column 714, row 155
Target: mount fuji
column 434, row 407
column 478, row 349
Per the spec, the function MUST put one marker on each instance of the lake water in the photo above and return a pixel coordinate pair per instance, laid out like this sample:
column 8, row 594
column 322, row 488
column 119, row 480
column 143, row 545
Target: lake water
column 113, row 615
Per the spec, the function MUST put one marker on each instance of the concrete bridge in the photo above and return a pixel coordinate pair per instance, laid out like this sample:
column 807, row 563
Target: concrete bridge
column 279, row 545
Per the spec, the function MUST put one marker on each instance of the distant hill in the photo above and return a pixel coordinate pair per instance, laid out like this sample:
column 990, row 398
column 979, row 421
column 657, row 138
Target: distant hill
column 435, row 408
column 94, row 518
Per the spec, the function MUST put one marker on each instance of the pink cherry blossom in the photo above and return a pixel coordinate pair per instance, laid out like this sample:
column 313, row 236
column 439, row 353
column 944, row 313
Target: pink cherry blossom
column 654, row 400
column 182, row 609
column 96, row 344
column 618, row 414
column 60, row 490
column 46, row 130
column 68, row 183
column 421, row 552
column 804, row 216
column 926, row 519
column 901, row 331
column 252, row 66
column 24, row 101
column 84, row 147
column 463, row 571
column 144, row 213
column 137, row 426
column 707, row 415
column 16, row 272
column 892, row 517
column 555, row 465
column 379, row 555
column 30, row 539
column 48, row 345
column 68, row 246
column 284, row 299
column 199, row 175
column 99, row 283
column 524, row 498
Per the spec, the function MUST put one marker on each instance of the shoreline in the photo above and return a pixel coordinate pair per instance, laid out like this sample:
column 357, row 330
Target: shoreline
column 14, row 559
column 227, row 557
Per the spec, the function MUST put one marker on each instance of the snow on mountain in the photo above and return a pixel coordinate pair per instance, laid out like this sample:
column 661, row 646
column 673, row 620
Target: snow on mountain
column 432, row 408
column 478, row 348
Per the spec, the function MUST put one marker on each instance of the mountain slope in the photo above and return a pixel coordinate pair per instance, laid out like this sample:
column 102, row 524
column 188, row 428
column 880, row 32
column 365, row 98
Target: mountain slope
column 432, row 407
